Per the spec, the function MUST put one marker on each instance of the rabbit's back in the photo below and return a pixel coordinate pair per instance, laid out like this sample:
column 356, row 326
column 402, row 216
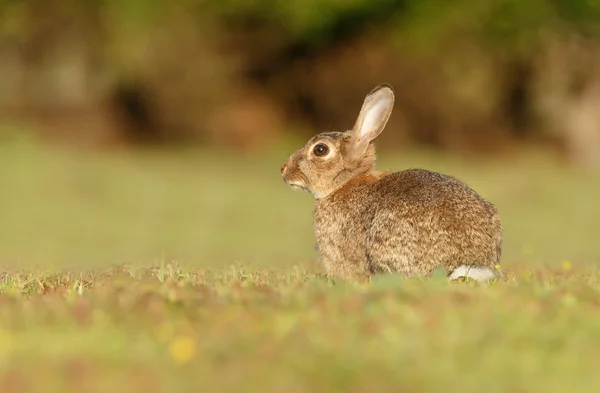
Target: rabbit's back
column 424, row 220
column 410, row 222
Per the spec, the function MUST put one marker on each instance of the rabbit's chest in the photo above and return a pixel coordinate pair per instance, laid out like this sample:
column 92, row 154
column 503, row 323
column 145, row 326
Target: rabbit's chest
column 332, row 221
column 341, row 240
column 340, row 229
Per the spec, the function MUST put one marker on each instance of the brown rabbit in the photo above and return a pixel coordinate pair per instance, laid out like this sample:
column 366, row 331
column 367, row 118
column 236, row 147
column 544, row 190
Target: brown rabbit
column 410, row 222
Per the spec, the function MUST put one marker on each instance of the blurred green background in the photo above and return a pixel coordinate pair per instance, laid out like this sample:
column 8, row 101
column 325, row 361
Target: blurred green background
column 148, row 131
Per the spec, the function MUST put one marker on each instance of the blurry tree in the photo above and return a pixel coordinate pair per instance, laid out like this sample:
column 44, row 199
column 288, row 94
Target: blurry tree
column 469, row 74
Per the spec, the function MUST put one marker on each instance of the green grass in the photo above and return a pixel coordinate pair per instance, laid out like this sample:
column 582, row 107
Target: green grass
column 239, row 330
column 180, row 271
column 76, row 208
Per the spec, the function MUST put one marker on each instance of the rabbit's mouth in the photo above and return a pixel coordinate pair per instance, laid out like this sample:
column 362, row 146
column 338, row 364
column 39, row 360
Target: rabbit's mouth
column 295, row 180
column 296, row 186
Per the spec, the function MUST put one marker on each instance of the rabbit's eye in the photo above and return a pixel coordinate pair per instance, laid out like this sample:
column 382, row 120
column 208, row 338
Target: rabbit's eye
column 321, row 150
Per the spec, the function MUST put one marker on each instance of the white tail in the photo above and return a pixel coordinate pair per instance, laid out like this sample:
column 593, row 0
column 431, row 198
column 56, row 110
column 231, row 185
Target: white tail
column 476, row 273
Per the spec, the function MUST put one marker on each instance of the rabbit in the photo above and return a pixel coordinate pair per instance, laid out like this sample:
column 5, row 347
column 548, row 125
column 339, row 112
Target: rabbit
column 410, row 222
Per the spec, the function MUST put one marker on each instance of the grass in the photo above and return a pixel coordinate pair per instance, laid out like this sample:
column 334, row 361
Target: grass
column 233, row 330
column 163, row 271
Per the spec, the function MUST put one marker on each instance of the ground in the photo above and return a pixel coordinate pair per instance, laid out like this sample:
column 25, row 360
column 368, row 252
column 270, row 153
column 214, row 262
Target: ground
column 189, row 270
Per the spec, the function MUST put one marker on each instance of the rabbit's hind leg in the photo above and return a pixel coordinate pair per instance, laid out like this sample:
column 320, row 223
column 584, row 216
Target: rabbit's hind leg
column 477, row 273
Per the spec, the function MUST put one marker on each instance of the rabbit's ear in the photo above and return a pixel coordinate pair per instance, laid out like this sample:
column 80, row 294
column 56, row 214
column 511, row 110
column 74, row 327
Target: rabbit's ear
column 373, row 116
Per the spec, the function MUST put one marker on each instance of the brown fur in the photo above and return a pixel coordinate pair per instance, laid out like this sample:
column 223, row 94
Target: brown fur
column 409, row 222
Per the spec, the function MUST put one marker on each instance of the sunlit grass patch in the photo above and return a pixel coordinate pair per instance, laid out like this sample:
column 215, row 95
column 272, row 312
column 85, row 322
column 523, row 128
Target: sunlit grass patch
column 252, row 329
column 213, row 209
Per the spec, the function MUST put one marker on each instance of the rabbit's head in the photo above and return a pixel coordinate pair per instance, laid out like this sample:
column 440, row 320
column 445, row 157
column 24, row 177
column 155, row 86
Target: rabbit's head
column 330, row 159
